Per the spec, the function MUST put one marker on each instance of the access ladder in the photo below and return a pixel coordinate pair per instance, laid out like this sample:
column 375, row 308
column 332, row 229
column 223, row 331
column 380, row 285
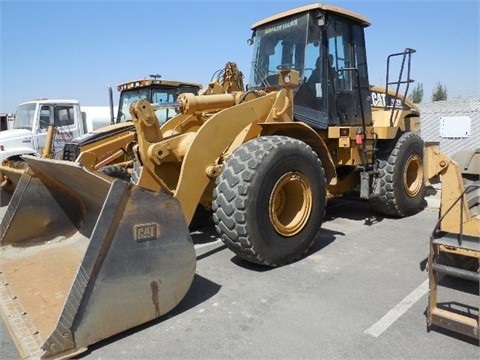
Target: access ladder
column 448, row 246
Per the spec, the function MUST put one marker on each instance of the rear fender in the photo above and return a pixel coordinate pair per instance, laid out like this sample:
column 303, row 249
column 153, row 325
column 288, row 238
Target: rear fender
column 306, row 134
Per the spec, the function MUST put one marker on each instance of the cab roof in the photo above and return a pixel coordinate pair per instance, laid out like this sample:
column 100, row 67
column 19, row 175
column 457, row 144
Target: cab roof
column 51, row 101
column 149, row 82
column 328, row 8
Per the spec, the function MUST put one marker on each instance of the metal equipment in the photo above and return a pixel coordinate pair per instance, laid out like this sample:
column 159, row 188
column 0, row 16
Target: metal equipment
column 94, row 262
column 110, row 149
column 112, row 145
column 262, row 160
column 455, row 241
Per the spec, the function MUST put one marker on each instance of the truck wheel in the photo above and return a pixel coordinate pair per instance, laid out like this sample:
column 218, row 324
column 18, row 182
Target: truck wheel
column 18, row 164
column 399, row 187
column 269, row 200
column 116, row 171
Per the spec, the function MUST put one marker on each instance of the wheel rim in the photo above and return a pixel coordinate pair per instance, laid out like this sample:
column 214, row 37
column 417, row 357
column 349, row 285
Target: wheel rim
column 290, row 204
column 413, row 175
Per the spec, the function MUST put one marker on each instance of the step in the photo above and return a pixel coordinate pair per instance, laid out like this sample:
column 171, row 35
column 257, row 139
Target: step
column 449, row 239
column 462, row 324
column 457, row 272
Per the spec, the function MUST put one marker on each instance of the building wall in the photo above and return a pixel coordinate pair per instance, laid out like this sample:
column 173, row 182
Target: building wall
column 432, row 113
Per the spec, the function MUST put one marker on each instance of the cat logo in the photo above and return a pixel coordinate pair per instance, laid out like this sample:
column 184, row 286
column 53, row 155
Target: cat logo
column 145, row 232
column 378, row 99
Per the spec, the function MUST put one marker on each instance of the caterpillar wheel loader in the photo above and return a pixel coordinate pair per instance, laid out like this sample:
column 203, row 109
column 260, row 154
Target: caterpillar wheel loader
column 262, row 160
column 110, row 149
column 455, row 240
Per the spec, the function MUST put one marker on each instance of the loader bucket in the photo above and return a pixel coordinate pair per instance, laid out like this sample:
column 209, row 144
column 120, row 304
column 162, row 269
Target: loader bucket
column 84, row 257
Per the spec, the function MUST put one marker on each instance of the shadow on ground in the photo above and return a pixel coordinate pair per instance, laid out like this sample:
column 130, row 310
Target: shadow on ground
column 352, row 209
column 201, row 290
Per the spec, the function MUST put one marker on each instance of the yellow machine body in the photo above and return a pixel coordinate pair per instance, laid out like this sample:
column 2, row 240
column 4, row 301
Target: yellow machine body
column 261, row 160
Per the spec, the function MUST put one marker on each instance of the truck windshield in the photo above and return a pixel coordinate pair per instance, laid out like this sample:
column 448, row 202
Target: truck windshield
column 278, row 45
column 160, row 95
column 24, row 116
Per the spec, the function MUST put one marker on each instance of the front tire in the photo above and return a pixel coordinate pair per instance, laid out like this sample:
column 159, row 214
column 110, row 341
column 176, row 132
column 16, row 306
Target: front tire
column 269, row 200
column 116, row 172
column 399, row 187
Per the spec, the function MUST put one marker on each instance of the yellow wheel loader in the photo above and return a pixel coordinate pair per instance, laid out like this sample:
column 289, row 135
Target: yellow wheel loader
column 262, row 160
column 110, row 149
column 455, row 241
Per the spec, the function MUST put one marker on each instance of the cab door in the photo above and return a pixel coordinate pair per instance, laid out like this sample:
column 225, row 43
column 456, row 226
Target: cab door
column 67, row 126
column 45, row 118
column 347, row 72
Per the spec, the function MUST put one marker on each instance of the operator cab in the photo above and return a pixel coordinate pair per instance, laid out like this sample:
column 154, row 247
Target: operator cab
column 164, row 92
column 326, row 45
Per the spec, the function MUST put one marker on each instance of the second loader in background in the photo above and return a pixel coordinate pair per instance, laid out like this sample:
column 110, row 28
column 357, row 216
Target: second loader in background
column 262, row 160
column 110, row 149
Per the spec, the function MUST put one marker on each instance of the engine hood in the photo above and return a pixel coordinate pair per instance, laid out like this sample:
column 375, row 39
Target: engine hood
column 15, row 138
column 103, row 133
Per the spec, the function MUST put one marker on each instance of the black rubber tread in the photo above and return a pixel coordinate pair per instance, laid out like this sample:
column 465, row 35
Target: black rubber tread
column 389, row 196
column 18, row 164
column 136, row 170
column 241, row 196
column 117, row 172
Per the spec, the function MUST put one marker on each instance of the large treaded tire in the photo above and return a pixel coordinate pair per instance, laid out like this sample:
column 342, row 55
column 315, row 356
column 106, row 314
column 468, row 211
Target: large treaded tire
column 117, row 172
column 18, row 164
column 269, row 200
column 399, row 187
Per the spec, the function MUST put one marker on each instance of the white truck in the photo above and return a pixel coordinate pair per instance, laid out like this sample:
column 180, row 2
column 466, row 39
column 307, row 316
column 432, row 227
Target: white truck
column 32, row 119
column 29, row 131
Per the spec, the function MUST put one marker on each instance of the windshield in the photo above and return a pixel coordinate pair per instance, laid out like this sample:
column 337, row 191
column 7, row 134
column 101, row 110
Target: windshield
column 24, row 116
column 126, row 98
column 279, row 45
column 159, row 95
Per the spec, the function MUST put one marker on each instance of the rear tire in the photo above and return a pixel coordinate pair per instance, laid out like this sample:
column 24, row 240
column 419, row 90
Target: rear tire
column 399, row 187
column 116, row 172
column 269, row 200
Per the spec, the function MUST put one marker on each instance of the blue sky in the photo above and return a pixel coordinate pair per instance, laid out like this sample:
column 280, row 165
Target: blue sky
column 73, row 49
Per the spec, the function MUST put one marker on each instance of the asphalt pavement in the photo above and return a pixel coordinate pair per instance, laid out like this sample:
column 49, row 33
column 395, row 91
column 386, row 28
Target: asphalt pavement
column 360, row 293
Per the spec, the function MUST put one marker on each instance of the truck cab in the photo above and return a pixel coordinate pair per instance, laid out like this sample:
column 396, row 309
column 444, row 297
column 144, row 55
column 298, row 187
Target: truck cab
column 32, row 119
